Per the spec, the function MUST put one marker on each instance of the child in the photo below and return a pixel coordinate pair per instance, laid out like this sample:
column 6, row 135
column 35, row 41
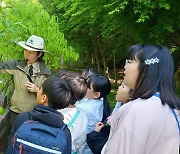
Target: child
column 95, row 104
column 97, row 138
column 122, row 96
column 75, row 119
column 54, row 94
column 148, row 123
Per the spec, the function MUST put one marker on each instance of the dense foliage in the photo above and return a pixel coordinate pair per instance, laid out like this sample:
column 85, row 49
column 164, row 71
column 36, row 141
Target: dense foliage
column 101, row 31
column 21, row 18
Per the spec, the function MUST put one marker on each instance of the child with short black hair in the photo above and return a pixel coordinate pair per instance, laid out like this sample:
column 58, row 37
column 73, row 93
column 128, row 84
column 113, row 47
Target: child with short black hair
column 54, row 94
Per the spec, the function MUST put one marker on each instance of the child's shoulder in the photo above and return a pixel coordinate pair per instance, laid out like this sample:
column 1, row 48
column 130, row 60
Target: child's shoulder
column 89, row 103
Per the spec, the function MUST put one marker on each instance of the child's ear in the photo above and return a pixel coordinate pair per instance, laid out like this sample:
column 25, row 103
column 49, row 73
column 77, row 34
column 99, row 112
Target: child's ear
column 44, row 100
column 96, row 95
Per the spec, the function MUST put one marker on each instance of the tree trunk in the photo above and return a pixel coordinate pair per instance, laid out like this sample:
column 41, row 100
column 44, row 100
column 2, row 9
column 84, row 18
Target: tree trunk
column 102, row 51
column 97, row 60
column 114, row 66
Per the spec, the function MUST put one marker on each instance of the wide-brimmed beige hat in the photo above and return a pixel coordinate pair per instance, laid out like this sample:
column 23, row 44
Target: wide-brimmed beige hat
column 34, row 43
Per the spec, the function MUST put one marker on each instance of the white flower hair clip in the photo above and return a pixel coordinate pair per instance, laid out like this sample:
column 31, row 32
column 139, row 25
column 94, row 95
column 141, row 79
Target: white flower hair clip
column 151, row 61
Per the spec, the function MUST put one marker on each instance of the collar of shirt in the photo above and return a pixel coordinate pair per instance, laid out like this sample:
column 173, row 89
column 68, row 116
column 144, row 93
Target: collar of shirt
column 36, row 68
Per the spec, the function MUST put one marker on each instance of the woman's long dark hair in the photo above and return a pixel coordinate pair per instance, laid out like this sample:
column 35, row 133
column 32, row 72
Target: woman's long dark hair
column 101, row 83
column 157, row 77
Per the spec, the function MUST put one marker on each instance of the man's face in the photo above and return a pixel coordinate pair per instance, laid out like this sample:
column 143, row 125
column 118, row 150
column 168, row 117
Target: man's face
column 31, row 56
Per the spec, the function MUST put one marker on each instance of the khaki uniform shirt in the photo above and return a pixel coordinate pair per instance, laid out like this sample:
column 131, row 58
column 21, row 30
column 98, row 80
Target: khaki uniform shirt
column 22, row 100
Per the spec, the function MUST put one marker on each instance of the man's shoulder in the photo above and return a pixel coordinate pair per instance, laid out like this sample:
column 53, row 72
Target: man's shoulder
column 43, row 68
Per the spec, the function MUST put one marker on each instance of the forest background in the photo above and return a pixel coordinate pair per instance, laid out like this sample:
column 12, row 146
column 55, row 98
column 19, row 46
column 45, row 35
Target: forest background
column 89, row 34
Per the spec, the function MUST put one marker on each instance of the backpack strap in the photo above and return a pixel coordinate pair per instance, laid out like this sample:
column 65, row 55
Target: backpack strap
column 73, row 119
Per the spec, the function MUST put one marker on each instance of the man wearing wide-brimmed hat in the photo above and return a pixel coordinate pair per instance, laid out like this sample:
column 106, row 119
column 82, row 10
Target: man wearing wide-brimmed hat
column 28, row 75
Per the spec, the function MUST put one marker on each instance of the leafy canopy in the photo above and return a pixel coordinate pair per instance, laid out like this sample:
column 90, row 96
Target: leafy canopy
column 20, row 19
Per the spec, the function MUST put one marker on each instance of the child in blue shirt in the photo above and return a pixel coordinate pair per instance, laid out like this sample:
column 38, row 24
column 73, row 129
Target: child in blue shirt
column 95, row 104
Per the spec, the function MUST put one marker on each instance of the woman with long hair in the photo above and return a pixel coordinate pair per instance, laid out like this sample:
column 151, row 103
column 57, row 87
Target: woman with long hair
column 149, row 123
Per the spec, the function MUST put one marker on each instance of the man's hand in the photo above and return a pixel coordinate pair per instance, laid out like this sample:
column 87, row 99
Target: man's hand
column 31, row 87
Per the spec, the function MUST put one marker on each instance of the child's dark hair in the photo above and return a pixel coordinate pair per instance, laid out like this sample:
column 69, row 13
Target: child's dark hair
column 156, row 77
column 58, row 92
column 87, row 73
column 76, row 83
column 101, row 83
